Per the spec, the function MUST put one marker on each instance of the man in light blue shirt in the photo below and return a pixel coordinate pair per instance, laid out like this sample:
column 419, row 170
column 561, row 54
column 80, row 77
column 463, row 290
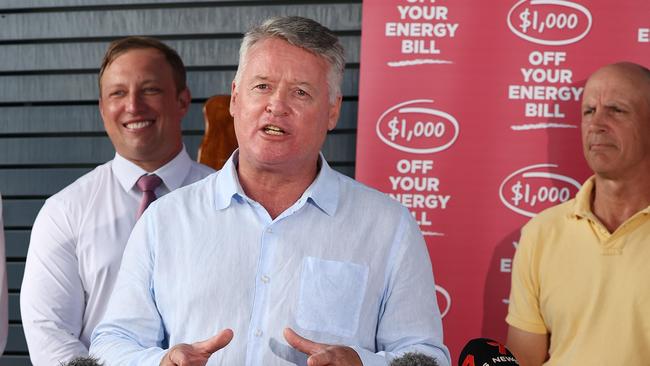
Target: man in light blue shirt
column 277, row 259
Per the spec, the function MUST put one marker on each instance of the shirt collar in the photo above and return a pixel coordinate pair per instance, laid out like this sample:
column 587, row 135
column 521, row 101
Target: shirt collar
column 323, row 192
column 172, row 174
column 227, row 184
column 582, row 207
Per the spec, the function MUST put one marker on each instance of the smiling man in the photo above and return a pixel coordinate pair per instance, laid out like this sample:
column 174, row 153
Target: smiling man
column 80, row 233
column 580, row 294
column 277, row 259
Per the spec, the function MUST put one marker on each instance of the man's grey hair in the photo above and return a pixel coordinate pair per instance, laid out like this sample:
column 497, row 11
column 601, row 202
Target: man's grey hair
column 306, row 34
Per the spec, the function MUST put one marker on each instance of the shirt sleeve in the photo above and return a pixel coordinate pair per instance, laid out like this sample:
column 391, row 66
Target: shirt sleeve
column 4, row 297
column 409, row 319
column 524, row 307
column 131, row 332
column 52, row 295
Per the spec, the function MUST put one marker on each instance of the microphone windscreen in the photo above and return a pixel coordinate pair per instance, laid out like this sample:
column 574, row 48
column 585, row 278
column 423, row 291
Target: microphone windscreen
column 486, row 352
column 414, row 359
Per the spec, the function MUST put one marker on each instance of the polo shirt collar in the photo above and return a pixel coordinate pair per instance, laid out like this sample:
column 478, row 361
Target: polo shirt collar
column 582, row 207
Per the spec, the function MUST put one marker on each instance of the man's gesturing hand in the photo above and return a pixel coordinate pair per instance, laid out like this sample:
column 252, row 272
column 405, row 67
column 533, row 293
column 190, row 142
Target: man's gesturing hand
column 322, row 354
column 196, row 354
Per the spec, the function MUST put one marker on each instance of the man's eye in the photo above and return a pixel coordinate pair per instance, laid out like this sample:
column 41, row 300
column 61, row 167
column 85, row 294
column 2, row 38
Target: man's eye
column 117, row 93
column 261, row 86
column 151, row 90
column 587, row 111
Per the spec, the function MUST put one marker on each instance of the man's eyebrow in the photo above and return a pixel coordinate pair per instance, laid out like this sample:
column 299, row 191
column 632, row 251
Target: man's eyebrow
column 303, row 83
column 260, row 77
column 123, row 82
column 617, row 102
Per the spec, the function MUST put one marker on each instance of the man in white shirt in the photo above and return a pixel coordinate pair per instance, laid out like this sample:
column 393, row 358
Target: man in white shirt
column 4, row 296
column 79, row 235
column 277, row 259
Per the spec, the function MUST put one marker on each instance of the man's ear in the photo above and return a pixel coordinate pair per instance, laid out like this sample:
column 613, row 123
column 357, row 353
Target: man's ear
column 334, row 111
column 184, row 100
column 100, row 105
column 233, row 98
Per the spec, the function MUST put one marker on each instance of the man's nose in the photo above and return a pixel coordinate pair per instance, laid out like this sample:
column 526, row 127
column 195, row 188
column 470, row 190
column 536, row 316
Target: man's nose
column 134, row 103
column 598, row 121
column 277, row 104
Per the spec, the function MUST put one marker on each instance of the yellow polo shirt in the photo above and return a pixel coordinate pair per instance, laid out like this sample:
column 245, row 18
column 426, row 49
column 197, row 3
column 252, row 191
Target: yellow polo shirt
column 586, row 287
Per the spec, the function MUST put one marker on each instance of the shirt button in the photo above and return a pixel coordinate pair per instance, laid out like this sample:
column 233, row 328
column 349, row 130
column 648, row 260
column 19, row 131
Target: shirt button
column 269, row 230
column 266, row 279
column 258, row 333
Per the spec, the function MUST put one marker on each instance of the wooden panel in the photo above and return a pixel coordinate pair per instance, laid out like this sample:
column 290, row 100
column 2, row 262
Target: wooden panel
column 40, row 182
column 15, row 360
column 21, row 213
column 86, row 118
column 340, row 148
column 16, row 243
column 71, row 150
column 16, row 340
column 88, row 55
column 347, row 170
column 167, row 21
column 15, row 271
column 83, row 87
column 48, row 119
column 14, row 308
column 348, row 116
column 39, row 4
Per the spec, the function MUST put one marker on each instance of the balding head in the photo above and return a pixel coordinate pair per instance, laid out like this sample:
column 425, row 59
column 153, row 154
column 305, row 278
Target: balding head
column 616, row 120
column 635, row 74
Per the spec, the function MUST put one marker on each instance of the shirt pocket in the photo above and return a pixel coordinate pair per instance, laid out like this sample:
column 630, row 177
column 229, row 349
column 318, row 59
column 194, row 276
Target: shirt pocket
column 331, row 296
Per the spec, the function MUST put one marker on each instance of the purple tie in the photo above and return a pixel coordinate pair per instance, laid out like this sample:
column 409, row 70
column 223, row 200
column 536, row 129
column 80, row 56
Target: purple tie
column 147, row 184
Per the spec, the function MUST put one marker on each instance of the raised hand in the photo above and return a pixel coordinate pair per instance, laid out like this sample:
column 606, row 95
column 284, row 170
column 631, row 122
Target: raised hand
column 196, row 354
column 322, row 354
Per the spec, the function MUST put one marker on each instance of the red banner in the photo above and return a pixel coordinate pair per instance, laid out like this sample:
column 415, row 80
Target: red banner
column 469, row 114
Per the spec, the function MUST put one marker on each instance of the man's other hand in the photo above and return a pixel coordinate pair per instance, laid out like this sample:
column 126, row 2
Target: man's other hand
column 322, row 354
column 196, row 354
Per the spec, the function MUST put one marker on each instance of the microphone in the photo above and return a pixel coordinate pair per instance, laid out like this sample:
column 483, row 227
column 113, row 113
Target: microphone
column 486, row 352
column 83, row 361
column 414, row 359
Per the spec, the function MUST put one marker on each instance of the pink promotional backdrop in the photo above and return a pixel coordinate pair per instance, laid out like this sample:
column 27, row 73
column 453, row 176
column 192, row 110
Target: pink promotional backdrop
column 469, row 114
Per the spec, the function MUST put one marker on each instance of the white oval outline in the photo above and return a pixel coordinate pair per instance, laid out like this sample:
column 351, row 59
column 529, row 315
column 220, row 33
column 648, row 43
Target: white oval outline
column 447, row 297
column 430, row 111
column 563, row 178
column 567, row 4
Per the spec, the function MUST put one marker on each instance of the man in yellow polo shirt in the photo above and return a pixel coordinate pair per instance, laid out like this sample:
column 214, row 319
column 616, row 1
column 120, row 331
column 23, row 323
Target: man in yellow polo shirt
column 581, row 275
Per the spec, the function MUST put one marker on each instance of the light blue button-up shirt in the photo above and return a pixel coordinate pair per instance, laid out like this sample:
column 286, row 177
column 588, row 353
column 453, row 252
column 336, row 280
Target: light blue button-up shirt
column 343, row 265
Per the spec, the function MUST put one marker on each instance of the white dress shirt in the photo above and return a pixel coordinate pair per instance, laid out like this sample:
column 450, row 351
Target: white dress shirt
column 344, row 265
column 4, row 296
column 75, row 251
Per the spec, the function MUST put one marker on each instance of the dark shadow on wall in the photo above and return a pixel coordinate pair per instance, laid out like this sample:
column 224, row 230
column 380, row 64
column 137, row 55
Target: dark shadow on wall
column 497, row 289
column 565, row 144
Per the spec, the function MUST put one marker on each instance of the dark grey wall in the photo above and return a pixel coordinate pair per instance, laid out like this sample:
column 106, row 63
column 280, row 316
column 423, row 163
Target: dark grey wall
column 50, row 129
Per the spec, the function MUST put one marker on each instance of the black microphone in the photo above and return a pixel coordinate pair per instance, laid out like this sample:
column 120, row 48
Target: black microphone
column 486, row 352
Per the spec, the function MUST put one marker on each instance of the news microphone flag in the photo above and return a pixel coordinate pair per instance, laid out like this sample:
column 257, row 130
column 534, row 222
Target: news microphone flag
column 486, row 352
